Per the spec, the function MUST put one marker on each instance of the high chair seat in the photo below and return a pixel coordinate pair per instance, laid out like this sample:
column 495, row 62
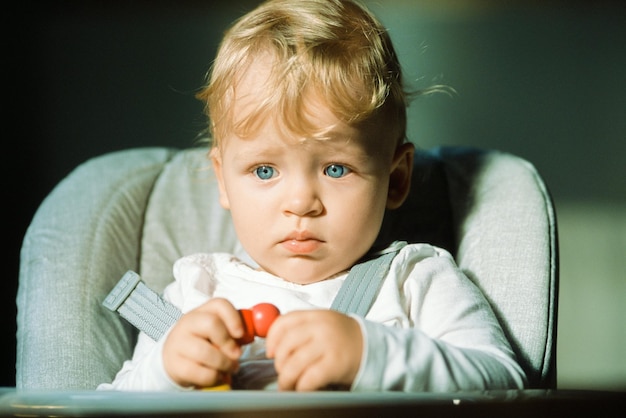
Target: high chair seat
column 141, row 209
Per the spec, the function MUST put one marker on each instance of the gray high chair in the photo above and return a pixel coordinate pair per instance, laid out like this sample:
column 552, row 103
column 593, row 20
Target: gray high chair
column 141, row 209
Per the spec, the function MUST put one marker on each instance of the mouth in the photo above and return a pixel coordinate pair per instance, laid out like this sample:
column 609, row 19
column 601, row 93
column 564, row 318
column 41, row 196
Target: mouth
column 301, row 243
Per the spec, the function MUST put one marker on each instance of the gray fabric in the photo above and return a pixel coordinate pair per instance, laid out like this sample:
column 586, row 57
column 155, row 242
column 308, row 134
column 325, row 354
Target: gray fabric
column 183, row 217
column 82, row 239
column 507, row 244
column 143, row 307
column 142, row 209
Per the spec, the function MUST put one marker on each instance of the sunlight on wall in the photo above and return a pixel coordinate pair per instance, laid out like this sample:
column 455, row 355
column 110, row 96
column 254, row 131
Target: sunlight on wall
column 591, row 340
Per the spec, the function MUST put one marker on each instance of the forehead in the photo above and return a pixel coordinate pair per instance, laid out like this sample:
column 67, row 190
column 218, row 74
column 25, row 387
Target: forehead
column 251, row 83
column 271, row 133
column 259, row 100
column 265, row 90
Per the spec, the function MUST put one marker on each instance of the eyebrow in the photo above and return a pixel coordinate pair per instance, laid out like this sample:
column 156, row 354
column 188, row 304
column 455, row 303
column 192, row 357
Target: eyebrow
column 337, row 144
column 256, row 152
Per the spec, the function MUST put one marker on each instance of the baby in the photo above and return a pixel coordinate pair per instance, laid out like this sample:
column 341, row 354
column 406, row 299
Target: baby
column 308, row 123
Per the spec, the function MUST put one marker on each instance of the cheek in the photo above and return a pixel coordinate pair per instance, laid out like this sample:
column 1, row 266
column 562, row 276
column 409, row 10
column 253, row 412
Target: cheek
column 376, row 208
column 246, row 213
column 362, row 213
column 249, row 227
column 252, row 216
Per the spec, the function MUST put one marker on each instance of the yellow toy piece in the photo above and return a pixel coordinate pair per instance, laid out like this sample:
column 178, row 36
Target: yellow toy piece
column 224, row 386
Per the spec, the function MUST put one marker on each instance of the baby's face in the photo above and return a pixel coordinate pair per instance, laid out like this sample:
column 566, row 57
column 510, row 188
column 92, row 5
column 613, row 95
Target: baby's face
column 305, row 209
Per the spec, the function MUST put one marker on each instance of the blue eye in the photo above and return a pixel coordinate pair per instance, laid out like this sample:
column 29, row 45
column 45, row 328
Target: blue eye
column 336, row 171
column 264, row 172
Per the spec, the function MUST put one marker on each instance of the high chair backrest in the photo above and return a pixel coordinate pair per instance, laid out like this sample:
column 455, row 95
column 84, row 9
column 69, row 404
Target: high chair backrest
column 141, row 209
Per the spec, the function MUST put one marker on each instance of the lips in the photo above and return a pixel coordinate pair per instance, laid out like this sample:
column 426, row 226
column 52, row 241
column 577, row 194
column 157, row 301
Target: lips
column 301, row 243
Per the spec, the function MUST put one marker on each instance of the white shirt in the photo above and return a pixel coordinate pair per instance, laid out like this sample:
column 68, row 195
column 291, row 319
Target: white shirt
column 430, row 328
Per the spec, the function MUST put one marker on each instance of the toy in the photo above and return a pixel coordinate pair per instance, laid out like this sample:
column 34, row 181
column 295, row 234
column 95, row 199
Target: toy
column 257, row 322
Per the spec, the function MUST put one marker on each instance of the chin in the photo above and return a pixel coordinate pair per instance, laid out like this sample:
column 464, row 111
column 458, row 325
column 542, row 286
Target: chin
column 306, row 274
column 305, row 270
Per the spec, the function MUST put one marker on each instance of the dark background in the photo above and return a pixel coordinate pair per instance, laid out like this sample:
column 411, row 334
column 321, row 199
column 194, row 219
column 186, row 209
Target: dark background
column 89, row 77
column 544, row 80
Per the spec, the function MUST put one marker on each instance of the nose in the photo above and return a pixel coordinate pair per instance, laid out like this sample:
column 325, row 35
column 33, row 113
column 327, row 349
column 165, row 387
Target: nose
column 302, row 198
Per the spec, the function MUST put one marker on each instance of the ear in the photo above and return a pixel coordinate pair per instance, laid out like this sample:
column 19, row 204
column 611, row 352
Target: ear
column 400, row 175
column 216, row 160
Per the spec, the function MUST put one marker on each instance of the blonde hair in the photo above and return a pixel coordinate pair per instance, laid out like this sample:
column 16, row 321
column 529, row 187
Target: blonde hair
column 334, row 48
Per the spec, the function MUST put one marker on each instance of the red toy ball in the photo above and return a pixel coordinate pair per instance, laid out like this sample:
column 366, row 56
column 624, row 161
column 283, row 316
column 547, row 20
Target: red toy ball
column 263, row 316
column 257, row 321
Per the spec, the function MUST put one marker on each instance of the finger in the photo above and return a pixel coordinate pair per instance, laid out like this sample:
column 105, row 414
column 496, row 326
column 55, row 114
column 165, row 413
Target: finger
column 189, row 373
column 206, row 354
column 219, row 322
column 185, row 355
column 315, row 376
column 285, row 334
column 227, row 313
column 294, row 367
column 184, row 366
column 281, row 329
column 286, row 361
column 210, row 329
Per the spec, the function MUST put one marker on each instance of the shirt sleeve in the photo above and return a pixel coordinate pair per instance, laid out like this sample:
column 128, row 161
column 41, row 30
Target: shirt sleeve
column 445, row 339
column 145, row 371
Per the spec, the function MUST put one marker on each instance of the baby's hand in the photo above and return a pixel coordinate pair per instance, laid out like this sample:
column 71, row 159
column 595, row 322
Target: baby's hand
column 201, row 349
column 315, row 349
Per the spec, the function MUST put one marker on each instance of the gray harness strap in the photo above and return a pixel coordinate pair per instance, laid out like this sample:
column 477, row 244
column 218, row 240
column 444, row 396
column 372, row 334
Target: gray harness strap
column 359, row 290
column 142, row 306
column 150, row 313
